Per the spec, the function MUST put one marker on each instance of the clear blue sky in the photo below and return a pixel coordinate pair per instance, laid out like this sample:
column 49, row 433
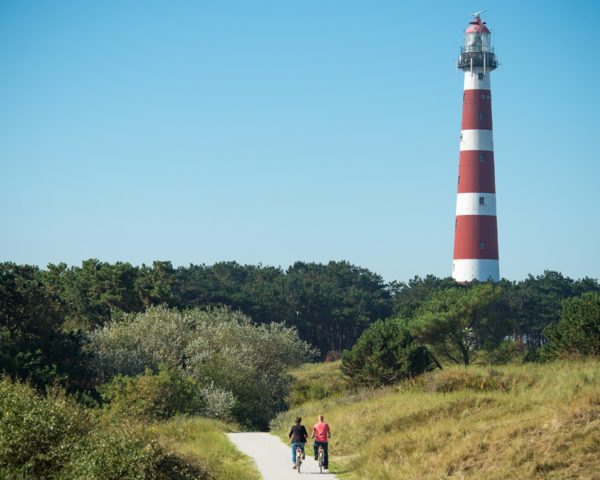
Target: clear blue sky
column 200, row 131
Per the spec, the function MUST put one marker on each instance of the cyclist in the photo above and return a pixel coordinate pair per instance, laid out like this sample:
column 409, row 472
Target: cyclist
column 298, row 434
column 321, row 433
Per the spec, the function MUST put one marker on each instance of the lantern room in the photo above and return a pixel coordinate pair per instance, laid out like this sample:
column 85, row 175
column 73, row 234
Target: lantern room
column 477, row 37
column 477, row 50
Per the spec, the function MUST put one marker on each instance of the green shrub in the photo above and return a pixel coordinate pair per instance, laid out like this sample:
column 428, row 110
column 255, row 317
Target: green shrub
column 150, row 396
column 53, row 438
column 37, row 435
column 127, row 452
column 385, row 353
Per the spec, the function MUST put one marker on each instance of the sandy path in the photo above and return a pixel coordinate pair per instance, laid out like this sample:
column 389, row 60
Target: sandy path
column 273, row 457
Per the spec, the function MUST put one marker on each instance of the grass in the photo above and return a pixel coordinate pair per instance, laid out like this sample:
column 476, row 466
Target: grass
column 203, row 440
column 518, row 421
column 315, row 381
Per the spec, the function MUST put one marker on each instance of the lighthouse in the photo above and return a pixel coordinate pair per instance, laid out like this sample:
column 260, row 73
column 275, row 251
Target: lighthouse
column 476, row 229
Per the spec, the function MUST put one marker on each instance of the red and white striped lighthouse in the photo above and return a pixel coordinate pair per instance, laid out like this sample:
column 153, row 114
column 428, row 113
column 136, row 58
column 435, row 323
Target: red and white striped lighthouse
column 476, row 230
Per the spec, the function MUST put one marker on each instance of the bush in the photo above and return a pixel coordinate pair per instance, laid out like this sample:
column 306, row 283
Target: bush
column 218, row 402
column 150, row 396
column 385, row 353
column 36, row 435
column 53, row 438
column 222, row 350
column 127, row 452
column 248, row 360
column 134, row 342
column 578, row 330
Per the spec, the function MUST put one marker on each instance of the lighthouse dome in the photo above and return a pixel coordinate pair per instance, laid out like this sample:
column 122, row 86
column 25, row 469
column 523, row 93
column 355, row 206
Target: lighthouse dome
column 477, row 36
column 477, row 26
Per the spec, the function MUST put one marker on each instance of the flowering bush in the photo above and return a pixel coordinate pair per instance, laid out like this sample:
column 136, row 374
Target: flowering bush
column 240, row 366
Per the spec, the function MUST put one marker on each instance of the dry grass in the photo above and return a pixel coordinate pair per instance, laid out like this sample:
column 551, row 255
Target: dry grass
column 315, row 381
column 204, row 441
column 513, row 422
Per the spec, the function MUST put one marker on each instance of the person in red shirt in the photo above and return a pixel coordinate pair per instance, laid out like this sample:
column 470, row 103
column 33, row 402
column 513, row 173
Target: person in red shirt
column 321, row 433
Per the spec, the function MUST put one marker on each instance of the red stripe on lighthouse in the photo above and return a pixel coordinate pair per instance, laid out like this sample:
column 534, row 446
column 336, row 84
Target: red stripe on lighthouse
column 477, row 110
column 476, row 172
column 476, row 237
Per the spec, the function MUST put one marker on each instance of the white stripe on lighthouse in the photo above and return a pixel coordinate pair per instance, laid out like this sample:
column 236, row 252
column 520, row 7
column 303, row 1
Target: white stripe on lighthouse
column 476, row 140
column 473, row 82
column 476, row 204
column 467, row 270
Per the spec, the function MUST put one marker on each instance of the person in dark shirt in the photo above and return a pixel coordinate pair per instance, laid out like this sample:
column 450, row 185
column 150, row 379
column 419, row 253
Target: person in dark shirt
column 298, row 435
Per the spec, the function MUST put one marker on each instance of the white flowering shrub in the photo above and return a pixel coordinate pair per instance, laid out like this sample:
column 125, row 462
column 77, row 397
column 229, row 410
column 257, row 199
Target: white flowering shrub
column 241, row 366
column 218, row 402
column 135, row 342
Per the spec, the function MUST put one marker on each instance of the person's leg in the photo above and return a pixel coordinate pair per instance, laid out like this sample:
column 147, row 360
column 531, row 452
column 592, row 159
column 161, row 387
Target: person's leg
column 316, row 450
column 326, row 454
column 302, row 448
column 294, row 453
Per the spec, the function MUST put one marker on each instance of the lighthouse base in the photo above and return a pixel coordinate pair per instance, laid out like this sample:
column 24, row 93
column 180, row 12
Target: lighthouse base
column 467, row 270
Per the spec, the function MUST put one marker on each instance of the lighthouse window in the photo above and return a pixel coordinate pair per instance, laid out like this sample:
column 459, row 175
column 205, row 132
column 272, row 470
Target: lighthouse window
column 459, row 179
column 480, row 76
column 481, row 157
column 481, row 200
column 481, row 245
column 480, row 116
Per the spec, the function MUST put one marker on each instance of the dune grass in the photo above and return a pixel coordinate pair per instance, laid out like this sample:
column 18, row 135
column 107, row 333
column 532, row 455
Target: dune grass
column 203, row 440
column 518, row 421
column 315, row 381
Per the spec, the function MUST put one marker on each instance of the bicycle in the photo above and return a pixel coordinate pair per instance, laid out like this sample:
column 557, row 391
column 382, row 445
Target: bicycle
column 321, row 458
column 298, row 458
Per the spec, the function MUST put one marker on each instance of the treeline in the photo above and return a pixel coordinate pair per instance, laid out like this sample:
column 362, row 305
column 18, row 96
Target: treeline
column 330, row 305
column 47, row 314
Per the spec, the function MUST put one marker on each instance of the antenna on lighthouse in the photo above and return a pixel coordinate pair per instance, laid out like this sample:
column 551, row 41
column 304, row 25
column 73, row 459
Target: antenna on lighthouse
column 477, row 14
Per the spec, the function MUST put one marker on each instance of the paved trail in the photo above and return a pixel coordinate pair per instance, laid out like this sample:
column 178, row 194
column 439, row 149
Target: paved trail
column 274, row 458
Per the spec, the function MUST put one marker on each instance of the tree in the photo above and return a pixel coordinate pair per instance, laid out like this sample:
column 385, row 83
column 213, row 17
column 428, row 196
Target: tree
column 457, row 322
column 32, row 343
column 384, row 354
column 155, row 284
column 332, row 304
column 408, row 297
column 257, row 291
column 578, row 331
